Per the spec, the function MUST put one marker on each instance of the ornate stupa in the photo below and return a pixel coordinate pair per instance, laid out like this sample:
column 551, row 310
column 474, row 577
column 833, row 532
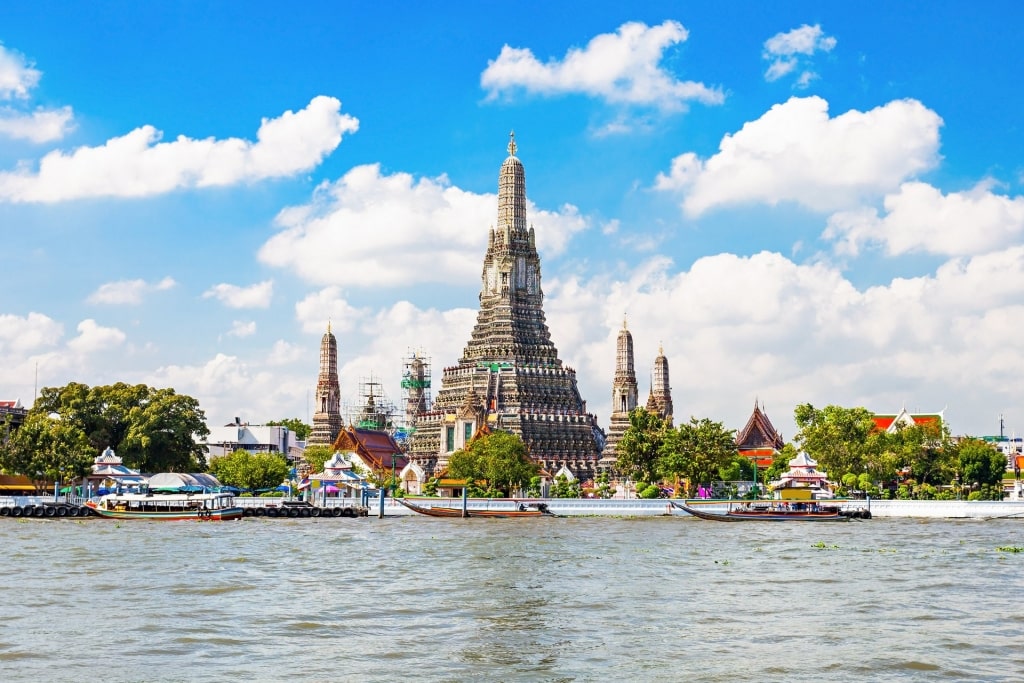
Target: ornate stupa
column 661, row 391
column 624, row 396
column 327, row 420
column 510, row 376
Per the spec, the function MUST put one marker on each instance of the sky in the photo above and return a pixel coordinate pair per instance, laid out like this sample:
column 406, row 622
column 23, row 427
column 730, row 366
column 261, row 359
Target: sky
column 800, row 202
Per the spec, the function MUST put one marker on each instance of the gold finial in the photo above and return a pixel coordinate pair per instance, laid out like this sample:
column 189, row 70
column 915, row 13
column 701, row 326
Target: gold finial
column 328, row 326
column 661, row 350
column 512, row 144
column 624, row 321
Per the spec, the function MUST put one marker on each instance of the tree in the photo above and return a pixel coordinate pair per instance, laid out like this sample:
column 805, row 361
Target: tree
column 838, row 438
column 152, row 430
column 250, row 471
column 316, row 456
column 638, row 451
column 499, row 458
column 47, row 448
column 296, row 426
column 563, row 488
column 979, row 463
column 696, row 450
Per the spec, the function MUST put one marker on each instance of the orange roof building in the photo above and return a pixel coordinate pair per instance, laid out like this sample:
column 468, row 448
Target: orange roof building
column 759, row 440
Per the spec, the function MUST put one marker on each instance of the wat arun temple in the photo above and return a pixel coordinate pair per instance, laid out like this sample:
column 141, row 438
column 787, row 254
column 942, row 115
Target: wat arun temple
column 510, row 377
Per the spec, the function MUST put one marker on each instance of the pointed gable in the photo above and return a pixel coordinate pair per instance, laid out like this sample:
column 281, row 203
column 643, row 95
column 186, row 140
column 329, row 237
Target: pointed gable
column 890, row 422
column 377, row 449
column 759, row 433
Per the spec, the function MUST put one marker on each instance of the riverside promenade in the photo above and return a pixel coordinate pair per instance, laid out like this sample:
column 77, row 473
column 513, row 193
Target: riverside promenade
column 595, row 507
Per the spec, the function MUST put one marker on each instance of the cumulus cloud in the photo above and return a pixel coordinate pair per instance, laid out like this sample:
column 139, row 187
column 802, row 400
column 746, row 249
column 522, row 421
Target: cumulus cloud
column 285, row 353
column 920, row 218
column 735, row 328
column 33, row 332
column 129, row 292
column 138, row 164
column 797, row 153
column 622, row 67
column 397, row 230
column 41, row 125
column 241, row 328
column 233, row 296
column 93, row 338
column 792, row 49
column 17, row 76
column 17, row 79
column 327, row 307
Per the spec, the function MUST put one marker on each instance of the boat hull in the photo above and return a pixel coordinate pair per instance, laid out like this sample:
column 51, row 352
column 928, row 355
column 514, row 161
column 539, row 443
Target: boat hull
column 469, row 512
column 172, row 516
column 764, row 515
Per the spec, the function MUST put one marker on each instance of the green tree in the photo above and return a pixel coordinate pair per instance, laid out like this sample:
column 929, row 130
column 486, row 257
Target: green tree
column 838, row 438
column 296, row 426
column 152, row 430
column 316, row 456
column 47, row 448
column 250, row 471
column 695, row 451
column 604, row 486
column 927, row 451
column 563, row 488
column 499, row 459
column 979, row 463
column 638, row 451
column 740, row 468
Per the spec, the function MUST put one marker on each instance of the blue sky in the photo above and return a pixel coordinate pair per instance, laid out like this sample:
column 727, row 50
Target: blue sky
column 815, row 202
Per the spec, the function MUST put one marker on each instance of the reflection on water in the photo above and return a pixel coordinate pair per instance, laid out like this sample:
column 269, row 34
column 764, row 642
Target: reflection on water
column 511, row 600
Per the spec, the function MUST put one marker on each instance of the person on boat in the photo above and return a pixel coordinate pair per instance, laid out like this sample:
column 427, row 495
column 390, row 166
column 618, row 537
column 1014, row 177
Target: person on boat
column 522, row 507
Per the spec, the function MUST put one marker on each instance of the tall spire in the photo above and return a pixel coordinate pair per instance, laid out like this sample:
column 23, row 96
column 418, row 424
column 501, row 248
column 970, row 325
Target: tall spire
column 327, row 418
column 660, row 388
column 512, row 191
column 512, row 143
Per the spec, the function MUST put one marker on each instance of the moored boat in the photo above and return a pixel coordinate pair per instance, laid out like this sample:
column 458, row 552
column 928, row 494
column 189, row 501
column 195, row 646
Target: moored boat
column 533, row 510
column 167, row 506
column 768, row 513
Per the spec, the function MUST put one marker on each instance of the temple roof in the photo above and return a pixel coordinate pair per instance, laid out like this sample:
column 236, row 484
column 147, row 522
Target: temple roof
column 376, row 448
column 759, row 432
column 891, row 421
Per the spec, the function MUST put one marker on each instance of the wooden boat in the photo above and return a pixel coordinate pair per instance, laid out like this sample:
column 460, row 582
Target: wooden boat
column 533, row 510
column 167, row 506
column 767, row 513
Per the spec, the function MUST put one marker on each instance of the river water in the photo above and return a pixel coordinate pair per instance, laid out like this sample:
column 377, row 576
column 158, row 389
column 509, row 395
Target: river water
column 577, row 599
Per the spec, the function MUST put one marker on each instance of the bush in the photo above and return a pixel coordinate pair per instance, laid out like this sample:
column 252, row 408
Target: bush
column 649, row 491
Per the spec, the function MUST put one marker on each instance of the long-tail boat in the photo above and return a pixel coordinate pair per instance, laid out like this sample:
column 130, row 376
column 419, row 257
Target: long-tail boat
column 533, row 510
column 804, row 512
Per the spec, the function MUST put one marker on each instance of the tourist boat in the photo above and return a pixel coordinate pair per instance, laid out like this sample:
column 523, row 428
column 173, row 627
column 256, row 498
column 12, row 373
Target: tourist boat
column 169, row 506
column 531, row 510
column 797, row 512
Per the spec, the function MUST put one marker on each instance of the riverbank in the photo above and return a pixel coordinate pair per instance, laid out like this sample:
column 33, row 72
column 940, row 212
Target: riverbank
column 595, row 507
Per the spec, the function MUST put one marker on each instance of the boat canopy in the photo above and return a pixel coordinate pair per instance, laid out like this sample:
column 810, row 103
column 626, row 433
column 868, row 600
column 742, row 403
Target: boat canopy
column 176, row 481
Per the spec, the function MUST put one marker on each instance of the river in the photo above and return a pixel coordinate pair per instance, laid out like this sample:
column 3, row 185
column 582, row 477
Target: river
column 584, row 599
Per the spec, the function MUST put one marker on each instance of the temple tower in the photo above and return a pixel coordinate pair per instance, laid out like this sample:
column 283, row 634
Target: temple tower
column 510, row 376
column 327, row 418
column 624, row 396
column 661, row 391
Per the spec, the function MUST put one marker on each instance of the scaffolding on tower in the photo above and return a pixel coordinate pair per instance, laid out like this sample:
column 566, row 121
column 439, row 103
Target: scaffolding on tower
column 373, row 410
column 415, row 393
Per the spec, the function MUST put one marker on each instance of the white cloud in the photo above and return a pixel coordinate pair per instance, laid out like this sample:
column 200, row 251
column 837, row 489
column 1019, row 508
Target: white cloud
column 790, row 50
column 286, row 353
column 735, row 328
column 396, row 230
column 241, row 328
column 29, row 333
column 41, row 125
column 17, row 77
column 128, row 292
column 327, row 307
column 138, row 164
column 919, row 218
column 93, row 338
column 796, row 153
column 621, row 67
column 233, row 296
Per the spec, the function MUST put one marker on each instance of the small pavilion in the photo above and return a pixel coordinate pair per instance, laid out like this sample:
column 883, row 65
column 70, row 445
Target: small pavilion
column 803, row 481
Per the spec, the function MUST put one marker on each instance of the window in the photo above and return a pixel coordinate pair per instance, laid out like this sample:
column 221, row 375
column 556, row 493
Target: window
column 450, row 434
column 468, row 436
